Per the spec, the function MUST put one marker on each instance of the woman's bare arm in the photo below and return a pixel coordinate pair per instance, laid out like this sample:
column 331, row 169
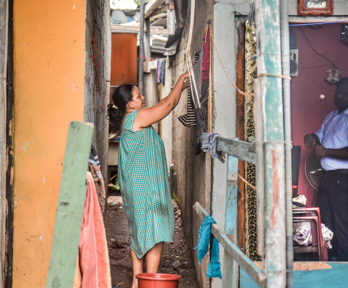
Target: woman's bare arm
column 148, row 116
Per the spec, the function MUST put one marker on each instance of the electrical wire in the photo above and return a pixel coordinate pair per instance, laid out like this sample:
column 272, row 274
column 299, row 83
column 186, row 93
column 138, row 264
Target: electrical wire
column 310, row 44
column 242, row 16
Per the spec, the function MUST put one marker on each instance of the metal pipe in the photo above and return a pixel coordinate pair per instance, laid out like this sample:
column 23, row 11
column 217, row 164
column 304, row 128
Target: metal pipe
column 147, row 41
column 285, row 48
column 141, row 48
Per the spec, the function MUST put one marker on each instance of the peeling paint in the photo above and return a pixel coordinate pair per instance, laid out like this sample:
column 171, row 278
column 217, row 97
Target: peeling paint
column 41, row 236
column 26, row 44
column 73, row 7
column 275, row 187
column 25, row 146
column 72, row 86
column 43, row 180
column 11, row 176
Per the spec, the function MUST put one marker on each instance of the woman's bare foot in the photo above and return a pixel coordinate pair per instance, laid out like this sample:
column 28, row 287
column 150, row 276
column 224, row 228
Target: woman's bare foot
column 135, row 282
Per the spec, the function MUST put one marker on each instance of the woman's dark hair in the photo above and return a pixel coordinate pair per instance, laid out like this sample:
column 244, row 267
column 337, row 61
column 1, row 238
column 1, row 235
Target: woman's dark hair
column 115, row 112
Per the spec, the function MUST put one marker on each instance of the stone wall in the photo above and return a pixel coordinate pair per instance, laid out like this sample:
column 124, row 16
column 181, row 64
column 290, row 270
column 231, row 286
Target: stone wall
column 97, row 85
column 193, row 172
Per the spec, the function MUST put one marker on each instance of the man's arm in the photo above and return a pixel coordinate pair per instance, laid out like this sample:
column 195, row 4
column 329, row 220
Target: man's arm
column 311, row 140
column 341, row 153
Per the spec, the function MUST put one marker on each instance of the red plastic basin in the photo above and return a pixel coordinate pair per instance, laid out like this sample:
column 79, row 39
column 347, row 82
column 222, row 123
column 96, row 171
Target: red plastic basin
column 158, row 280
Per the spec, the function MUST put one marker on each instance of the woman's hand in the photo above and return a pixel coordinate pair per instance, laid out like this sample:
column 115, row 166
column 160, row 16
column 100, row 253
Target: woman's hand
column 186, row 81
column 185, row 75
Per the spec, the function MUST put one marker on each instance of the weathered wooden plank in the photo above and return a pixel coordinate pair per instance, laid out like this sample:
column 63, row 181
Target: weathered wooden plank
column 240, row 130
column 269, row 62
column 151, row 6
column 249, row 266
column 70, row 206
column 9, row 152
column 310, row 274
column 118, row 28
column 317, row 19
column 3, row 156
column 240, row 149
column 230, row 270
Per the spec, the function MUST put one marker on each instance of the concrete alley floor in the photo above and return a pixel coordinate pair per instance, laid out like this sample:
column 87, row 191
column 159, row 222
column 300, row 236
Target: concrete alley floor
column 176, row 258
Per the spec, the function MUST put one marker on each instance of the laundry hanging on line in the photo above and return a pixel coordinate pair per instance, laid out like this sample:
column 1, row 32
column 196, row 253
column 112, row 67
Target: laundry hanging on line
column 161, row 71
column 201, row 69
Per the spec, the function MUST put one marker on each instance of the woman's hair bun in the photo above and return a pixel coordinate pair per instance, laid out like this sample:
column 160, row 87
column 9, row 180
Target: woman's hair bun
column 115, row 112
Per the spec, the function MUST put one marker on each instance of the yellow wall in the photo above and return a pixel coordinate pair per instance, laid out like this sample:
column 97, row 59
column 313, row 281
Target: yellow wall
column 49, row 71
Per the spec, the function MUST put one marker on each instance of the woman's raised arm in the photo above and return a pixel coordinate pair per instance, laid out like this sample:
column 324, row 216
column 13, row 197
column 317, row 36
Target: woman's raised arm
column 151, row 115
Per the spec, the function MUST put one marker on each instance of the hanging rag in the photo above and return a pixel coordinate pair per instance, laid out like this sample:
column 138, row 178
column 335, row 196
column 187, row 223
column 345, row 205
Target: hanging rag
column 202, row 111
column 214, row 267
column 93, row 156
column 209, row 145
column 188, row 119
column 93, row 263
column 99, row 183
column 160, row 71
column 199, row 96
column 206, row 58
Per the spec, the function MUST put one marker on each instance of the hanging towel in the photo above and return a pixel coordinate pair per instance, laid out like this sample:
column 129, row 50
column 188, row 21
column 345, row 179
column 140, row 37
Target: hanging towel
column 93, row 265
column 214, row 267
column 209, row 145
column 206, row 57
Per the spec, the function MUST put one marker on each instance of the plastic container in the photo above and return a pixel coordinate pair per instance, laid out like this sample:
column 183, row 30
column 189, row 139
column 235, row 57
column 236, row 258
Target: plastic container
column 158, row 280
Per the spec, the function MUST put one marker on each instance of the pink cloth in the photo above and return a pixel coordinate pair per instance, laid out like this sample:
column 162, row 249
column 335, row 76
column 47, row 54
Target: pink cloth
column 93, row 267
column 206, row 58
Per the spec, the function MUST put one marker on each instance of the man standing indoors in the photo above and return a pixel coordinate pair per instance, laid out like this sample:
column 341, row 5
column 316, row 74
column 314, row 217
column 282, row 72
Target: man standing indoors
column 330, row 142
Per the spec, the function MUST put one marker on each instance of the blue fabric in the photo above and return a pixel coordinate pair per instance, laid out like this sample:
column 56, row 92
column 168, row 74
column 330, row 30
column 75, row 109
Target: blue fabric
column 214, row 268
column 209, row 145
column 333, row 134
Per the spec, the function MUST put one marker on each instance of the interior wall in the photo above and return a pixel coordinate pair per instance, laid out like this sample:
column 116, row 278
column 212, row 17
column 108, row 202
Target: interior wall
column 308, row 109
column 49, row 72
column 97, row 77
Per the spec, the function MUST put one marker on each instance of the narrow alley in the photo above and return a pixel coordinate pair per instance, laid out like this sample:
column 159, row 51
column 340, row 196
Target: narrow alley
column 176, row 256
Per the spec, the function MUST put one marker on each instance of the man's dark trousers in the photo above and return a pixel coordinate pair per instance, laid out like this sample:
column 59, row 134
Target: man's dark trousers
column 332, row 199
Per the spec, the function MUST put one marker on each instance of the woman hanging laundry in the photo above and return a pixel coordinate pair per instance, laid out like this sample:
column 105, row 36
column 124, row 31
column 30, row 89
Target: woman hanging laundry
column 142, row 172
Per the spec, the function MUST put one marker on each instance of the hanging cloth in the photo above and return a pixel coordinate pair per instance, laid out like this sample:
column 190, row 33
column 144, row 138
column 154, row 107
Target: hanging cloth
column 160, row 71
column 214, row 267
column 93, row 264
column 189, row 119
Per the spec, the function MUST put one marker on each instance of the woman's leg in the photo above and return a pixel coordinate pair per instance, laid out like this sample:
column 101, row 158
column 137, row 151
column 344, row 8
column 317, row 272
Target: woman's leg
column 137, row 268
column 153, row 258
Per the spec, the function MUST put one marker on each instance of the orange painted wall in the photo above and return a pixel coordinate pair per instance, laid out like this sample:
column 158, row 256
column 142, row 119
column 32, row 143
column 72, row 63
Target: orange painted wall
column 49, row 71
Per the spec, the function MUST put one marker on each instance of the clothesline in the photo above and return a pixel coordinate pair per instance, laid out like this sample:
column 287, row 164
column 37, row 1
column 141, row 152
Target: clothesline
column 234, row 85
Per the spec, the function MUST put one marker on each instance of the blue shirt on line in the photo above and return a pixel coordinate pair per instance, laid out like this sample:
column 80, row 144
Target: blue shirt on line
column 333, row 134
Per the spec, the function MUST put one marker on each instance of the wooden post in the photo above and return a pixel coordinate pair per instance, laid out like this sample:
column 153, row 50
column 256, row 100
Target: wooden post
column 269, row 61
column 70, row 206
column 230, row 269
column 3, row 156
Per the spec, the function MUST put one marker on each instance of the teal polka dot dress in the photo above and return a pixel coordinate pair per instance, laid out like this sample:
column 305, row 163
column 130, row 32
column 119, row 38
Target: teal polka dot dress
column 143, row 177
